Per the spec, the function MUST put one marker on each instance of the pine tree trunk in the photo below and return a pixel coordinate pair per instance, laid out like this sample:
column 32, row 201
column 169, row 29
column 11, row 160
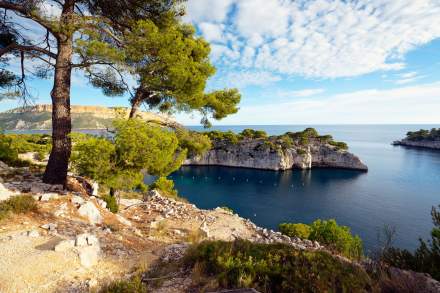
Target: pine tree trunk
column 135, row 104
column 56, row 170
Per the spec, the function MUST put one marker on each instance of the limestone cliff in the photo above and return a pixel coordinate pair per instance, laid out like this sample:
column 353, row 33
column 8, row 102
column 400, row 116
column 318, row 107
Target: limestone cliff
column 429, row 144
column 38, row 117
column 270, row 154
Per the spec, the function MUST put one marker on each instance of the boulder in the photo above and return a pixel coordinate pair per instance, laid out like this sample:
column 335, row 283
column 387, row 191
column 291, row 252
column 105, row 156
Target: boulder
column 89, row 255
column 48, row 196
column 5, row 193
column 91, row 212
column 77, row 200
column 86, row 239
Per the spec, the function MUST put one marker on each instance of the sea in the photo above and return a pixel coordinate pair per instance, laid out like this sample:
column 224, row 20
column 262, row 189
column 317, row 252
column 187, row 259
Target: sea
column 397, row 194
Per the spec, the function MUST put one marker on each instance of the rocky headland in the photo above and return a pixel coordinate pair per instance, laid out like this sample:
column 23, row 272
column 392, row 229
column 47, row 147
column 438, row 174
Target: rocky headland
column 429, row 139
column 301, row 150
column 39, row 117
column 428, row 144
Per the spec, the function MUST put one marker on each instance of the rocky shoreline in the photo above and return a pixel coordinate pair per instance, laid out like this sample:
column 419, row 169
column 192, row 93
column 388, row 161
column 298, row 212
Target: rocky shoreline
column 252, row 153
column 75, row 238
column 427, row 144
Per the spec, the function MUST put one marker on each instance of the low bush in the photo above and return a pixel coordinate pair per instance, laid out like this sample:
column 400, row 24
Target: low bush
column 275, row 268
column 133, row 285
column 195, row 143
column 329, row 233
column 17, row 205
column 112, row 203
column 166, row 186
column 295, row 230
column 339, row 145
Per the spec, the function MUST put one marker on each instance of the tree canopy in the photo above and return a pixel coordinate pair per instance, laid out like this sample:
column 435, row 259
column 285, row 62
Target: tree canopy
column 171, row 67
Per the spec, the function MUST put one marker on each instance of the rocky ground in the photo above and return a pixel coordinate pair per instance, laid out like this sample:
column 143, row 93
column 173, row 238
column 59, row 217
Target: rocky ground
column 72, row 243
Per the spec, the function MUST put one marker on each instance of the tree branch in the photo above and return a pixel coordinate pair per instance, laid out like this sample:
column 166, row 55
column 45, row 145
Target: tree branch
column 26, row 13
column 21, row 48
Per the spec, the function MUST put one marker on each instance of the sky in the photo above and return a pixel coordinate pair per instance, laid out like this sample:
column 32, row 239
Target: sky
column 312, row 62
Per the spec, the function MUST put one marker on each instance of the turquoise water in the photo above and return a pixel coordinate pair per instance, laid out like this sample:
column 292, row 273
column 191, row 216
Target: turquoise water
column 399, row 190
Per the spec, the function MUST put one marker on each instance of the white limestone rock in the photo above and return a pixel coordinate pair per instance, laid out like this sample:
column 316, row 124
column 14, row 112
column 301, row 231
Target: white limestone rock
column 5, row 193
column 89, row 255
column 91, row 212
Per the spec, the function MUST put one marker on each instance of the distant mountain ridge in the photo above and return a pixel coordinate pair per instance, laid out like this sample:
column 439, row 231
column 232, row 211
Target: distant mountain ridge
column 39, row 117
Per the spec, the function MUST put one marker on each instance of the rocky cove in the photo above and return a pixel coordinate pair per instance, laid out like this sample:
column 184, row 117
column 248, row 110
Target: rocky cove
column 301, row 150
column 73, row 236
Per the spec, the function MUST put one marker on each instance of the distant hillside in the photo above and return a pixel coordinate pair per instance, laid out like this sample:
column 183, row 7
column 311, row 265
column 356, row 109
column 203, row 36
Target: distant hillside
column 83, row 117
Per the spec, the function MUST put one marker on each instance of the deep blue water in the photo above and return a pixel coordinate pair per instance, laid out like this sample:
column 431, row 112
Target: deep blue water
column 399, row 190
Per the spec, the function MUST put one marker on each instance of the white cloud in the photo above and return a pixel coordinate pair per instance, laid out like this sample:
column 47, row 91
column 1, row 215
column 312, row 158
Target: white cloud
column 408, row 77
column 249, row 78
column 207, row 10
column 412, row 104
column 211, row 31
column 301, row 93
column 320, row 38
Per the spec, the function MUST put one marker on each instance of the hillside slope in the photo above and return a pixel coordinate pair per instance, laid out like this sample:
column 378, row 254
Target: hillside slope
column 83, row 117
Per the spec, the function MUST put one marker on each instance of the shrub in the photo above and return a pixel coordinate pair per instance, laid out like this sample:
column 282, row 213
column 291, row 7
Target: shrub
column 275, row 268
column 329, row 233
column 166, row 186
column 339, row 145
column 133, row 285
column 250, row 133
column 295, row 230
column 228, row 209
column 112, row 203
column 17, row 205
column 195, row 143
column 7, row 153
column 336, row 237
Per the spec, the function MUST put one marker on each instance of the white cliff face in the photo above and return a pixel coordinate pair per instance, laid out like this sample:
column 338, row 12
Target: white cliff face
column 435, row 145
column 257, row 155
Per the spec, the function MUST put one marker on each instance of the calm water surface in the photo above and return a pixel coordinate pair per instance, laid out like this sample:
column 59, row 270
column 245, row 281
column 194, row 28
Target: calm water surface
column 399, row 190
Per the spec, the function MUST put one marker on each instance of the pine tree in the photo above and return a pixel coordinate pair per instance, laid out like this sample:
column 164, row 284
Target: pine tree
column 78, row 21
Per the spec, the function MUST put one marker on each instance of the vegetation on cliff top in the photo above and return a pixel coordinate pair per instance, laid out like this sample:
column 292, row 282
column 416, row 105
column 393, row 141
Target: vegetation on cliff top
column 337, row 238
column 300, row 139
column 423, row 134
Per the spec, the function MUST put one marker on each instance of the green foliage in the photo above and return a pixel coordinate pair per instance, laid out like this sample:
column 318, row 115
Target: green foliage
column 17, row 205
column 228, row 209
column 134, row 285
column 425, row 259
column 13, row 144
column 253, row 134
column 295, row 230
column 166, row 186
column 227, row 136
column 112, row 204
column 329, row 233
column 339, row 145
column 275, row 268
column 170, row 63
column 135, row 148
column 93, row 156
column 422, row 134
column 336, row 237
column 195, row 143
column 7, row 153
